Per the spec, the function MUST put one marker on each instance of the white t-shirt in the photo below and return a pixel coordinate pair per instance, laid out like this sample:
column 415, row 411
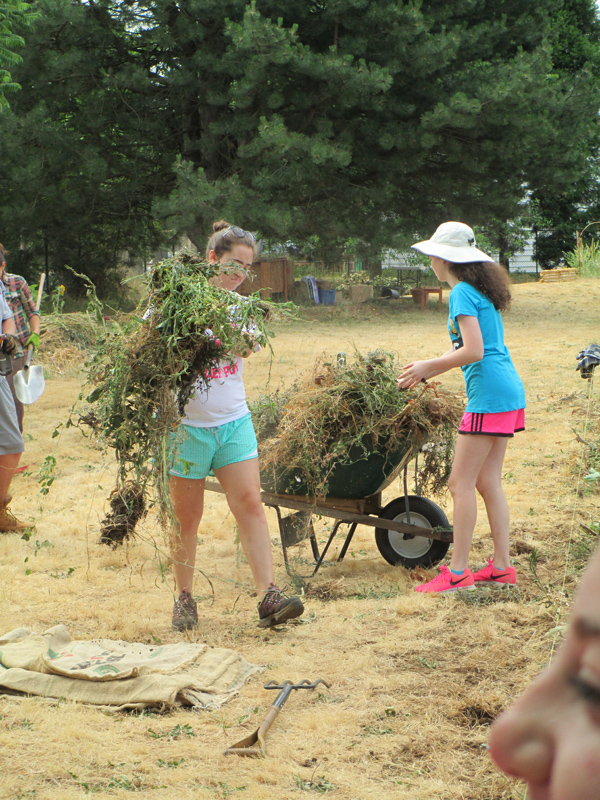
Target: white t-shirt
column 225, row 399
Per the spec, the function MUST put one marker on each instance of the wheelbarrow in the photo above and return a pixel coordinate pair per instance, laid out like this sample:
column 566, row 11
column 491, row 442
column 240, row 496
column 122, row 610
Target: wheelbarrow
column 410, row 530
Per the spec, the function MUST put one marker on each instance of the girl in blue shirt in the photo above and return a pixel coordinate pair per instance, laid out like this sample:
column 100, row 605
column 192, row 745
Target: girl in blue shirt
column 495, row 400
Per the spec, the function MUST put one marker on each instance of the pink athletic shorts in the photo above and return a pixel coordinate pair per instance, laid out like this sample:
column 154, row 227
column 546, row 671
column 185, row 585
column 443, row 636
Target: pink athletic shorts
column 506, row 423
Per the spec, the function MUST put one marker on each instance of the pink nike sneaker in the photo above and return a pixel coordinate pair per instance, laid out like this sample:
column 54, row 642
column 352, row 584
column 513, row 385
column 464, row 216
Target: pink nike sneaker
column 491, row 574
column 447, row 582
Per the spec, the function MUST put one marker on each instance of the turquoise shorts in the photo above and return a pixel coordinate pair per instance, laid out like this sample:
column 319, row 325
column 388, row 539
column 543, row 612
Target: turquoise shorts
column 199, row 451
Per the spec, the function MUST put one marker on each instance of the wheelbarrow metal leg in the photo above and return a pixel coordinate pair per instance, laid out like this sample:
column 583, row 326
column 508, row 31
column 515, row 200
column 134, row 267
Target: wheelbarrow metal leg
column 283, row 544
column 347, row 542
column 287, row 536
column 332, row 536
column 313, row 543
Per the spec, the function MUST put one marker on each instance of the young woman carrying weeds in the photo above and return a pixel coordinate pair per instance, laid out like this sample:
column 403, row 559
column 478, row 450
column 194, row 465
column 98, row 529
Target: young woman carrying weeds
column 218, row 436
column 495, row 400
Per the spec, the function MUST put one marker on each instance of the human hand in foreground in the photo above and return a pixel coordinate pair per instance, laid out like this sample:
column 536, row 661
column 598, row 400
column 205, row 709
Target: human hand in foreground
column 9, row 344
column 414, row 373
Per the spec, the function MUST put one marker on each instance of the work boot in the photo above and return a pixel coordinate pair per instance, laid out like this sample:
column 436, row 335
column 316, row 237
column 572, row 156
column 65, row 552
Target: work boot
column 185, row 612
column 277, row 607
column 8, row 522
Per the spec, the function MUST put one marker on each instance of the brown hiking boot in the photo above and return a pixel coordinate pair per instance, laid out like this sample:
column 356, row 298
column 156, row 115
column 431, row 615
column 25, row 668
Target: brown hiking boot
column 8, row 522
column 277, row 607
column 185, row 612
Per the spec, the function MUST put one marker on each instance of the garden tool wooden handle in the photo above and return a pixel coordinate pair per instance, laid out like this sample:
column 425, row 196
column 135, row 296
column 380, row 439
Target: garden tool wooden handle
column 40, row 291
column 31, row 348
column 265, row 725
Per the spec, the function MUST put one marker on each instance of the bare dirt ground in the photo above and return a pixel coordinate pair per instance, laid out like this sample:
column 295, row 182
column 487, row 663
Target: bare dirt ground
column 415, row 680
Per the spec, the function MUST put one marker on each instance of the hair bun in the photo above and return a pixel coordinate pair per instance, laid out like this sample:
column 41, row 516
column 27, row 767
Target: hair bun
column 220, row 225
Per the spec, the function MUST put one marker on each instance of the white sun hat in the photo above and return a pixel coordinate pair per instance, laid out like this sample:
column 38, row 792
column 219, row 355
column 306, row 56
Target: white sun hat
column 454, row 242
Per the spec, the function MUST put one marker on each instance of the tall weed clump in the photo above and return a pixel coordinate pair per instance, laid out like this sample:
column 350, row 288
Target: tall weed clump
column 586, row 259
column 145, row 370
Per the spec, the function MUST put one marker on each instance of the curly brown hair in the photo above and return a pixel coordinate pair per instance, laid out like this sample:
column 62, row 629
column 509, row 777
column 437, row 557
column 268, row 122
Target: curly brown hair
column 487, row 277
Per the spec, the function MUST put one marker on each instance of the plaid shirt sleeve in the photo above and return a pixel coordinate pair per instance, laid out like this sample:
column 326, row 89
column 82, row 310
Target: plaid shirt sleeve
column 21, row 303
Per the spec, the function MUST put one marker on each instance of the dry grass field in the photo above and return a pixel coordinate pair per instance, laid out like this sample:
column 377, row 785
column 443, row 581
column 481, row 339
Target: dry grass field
column 415, row 680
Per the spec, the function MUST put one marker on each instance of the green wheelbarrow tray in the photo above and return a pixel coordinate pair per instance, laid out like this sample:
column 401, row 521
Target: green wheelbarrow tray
column 360, row 475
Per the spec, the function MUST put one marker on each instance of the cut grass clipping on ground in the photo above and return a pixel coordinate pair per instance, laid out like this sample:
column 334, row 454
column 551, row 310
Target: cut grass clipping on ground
column 344, row 410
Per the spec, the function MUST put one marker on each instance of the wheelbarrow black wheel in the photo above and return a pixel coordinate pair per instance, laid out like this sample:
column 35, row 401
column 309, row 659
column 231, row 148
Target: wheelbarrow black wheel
column 406, row 550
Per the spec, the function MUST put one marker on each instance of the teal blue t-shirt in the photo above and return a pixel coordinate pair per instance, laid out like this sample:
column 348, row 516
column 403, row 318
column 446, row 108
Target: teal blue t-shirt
column 493, row 384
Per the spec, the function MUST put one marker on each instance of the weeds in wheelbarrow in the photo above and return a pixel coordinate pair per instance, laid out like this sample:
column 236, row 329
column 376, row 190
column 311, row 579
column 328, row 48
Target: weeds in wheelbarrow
column 344, row 411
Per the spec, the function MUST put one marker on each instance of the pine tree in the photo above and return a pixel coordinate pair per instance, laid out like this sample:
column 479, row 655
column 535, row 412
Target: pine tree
column 14, row 16
column 561, row 213
column 375, row 120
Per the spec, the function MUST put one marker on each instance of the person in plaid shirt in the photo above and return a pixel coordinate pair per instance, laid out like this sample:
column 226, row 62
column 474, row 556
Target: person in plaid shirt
column 27, row 320
column 11, row 440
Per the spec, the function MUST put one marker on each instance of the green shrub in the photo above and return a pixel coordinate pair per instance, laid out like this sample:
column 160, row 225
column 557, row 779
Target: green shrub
column 586, row 259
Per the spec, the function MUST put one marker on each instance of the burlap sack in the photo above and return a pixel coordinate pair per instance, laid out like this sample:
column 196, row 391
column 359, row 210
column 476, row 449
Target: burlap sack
column 119, row 674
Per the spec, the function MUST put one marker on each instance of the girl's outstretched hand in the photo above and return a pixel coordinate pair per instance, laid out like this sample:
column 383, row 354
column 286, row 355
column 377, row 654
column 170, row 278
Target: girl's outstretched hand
column 414, row 373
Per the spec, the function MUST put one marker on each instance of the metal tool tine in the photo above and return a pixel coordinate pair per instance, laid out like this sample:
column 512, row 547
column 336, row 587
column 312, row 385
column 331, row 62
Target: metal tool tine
column 304, row 684
column 273, row 685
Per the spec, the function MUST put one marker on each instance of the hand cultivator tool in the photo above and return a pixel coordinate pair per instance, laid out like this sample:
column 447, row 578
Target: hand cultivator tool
column 254, row 745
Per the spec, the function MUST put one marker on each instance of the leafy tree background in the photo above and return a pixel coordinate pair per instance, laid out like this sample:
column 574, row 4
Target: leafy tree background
column 314, row 122
column 559, row 214
column 14, row 16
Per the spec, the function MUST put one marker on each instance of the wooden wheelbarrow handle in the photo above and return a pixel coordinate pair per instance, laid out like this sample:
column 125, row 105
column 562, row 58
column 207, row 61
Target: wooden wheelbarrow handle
column 254, row 744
